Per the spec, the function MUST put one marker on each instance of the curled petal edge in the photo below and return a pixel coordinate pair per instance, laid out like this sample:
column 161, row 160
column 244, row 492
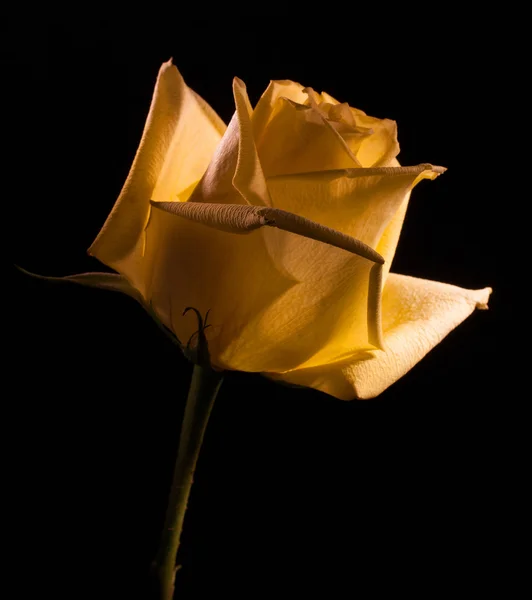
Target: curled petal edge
column 367, row 172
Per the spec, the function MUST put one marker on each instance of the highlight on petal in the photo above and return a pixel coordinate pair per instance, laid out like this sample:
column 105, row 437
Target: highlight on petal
column 199, row 260
column 367, row 204
column 234, row 174
column 179, row 138
column 416, row 314
column 290, row 292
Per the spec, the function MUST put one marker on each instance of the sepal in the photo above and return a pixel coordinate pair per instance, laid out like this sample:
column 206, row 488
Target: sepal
column 115, row 283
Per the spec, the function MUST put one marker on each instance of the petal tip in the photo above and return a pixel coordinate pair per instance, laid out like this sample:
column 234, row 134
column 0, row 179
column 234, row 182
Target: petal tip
column 482, row 301
column 167, row 65
column 435, row 168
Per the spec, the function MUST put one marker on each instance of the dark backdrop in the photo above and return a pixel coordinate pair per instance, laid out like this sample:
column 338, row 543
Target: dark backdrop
column 294, row 489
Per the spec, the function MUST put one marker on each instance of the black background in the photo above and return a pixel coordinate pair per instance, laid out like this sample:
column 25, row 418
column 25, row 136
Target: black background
column 294, row 490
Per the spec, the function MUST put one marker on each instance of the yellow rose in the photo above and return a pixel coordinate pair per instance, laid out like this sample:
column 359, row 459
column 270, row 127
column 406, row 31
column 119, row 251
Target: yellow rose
column 284, row 225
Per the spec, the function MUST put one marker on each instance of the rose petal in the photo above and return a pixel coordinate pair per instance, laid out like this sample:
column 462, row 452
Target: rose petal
column 210, row 113
column 264, row 109
column 377, row 149
column 390, row 237
column 417, row 314
column 367, row 204
column 192, row 264
column 271, row 311
column 179, row 138
column 234, row 174
column 298, row 138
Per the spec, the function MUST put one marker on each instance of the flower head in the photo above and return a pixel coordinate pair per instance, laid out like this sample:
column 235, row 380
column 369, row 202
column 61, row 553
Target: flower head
column 284, row 224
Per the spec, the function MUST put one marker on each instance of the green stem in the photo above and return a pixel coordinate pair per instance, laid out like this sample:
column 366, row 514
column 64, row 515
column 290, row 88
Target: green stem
column 202, row 393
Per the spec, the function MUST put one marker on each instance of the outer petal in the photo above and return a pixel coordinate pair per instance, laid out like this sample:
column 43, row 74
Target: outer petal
column 192, row 264
column 179, row 138
column 367, row 204
column 417, row 314
column 317, row 300
column 234, row 174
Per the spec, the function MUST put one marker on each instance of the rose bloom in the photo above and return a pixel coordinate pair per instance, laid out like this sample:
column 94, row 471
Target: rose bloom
column 284, row 225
